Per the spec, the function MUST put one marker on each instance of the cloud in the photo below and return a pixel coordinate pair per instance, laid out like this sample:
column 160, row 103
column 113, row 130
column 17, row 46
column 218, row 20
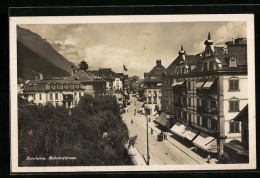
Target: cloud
column 104, row 56
column 67, row 49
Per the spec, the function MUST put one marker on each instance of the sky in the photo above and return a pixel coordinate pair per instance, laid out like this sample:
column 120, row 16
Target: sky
column 135, row 45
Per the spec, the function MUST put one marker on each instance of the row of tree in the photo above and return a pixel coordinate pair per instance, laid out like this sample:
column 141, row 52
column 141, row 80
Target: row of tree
column 92, row 133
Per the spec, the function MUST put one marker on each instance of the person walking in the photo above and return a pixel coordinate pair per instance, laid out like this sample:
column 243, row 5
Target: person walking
column 208, row 158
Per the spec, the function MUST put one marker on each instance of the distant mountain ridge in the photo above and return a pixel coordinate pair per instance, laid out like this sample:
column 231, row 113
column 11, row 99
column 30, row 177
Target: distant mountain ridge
column 41, row 47
column 30, row 64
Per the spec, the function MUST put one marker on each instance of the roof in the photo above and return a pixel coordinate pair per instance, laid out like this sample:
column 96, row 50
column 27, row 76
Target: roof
column 243, row 114
column 81, row 76
column 190, row 59
column 238, row 51
column 155, row 72
column 46, row 81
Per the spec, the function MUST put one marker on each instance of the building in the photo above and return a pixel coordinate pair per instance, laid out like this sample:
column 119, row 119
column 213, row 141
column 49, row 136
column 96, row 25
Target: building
column 171, row 101
column 91, row 84
column 238, row 152
column 209, row 96
column 152, row 90
column 56, row 92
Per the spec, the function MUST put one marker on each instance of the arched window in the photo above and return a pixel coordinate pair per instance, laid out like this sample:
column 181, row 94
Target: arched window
column 234, row 105
column 232, row 62
column 233, row 84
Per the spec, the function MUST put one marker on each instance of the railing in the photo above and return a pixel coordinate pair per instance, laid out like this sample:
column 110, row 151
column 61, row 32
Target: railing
column 205, row 110
column 201, row 91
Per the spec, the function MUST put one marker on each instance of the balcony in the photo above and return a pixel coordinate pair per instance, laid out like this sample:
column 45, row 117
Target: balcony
column 180, row 105
column 201, row 91
column 213, row 111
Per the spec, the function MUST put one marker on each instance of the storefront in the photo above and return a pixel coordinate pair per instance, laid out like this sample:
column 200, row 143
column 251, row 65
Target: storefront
column 206, row 143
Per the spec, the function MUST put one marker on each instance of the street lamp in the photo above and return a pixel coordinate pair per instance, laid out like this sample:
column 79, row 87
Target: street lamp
column 148, row 156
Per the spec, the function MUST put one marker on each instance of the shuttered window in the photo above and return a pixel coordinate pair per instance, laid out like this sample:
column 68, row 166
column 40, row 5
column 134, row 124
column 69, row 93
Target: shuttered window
column 233, row 105
column 233, row 84
column 234, row 126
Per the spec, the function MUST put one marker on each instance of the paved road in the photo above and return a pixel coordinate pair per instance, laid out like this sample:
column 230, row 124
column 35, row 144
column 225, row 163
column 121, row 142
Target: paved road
column 161, row 153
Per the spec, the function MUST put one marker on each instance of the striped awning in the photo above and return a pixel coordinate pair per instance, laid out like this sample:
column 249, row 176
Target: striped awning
column 209, row 83
column 200, row 83
column 206, row 143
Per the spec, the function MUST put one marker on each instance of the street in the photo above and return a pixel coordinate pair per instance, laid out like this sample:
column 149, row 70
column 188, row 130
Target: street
column 161, row 153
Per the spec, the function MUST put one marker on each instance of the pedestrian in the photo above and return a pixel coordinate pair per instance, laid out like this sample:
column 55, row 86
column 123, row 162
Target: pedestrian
column 208, row 158
column 166, row 136
column 151, row 130
column 132, row 121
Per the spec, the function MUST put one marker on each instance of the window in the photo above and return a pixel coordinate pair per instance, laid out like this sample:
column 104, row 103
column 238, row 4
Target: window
column 211, row 64
column 234, row 126
column 189, row 103
column 56, row 96
column 182, row 70
column 40, row 96
column 205, row 66
column 34, row 97
column 204, row 122
column 198, row 120
column 53, row 86
column 232, row 63
column 233, row 84
column 188, row 83
column 234, row 105
column 213, row 124
column 51, row 97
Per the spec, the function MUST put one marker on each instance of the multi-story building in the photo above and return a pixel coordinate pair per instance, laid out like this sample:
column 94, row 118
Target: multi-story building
column 152, row 90
column 211, row 95
column 91, row 84
column 238, row 152
column 56, row 92
column 183, row 64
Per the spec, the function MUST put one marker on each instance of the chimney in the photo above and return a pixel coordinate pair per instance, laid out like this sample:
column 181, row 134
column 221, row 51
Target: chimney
column 158, row 62
column 72, row 70
column 41, row 76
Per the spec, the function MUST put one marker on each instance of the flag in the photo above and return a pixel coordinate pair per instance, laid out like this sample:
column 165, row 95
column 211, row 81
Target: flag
column 124, row 67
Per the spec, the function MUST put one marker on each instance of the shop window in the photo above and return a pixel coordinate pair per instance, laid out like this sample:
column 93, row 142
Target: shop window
column 234, row 126
column 40, row 96
column 233, row 84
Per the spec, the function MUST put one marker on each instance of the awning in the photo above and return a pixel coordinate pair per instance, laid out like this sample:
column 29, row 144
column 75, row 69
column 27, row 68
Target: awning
column 178, row 129
column 205, row 142
column 177, row 83
column 209, row 83
column 200, row 83
column 163, row 120
column 190, row 133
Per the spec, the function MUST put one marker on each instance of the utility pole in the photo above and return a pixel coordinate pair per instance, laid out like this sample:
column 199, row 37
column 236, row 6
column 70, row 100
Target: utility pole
column 148, row 156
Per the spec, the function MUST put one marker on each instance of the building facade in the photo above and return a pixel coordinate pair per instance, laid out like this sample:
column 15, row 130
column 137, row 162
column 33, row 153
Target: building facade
column 152, row 90
column 207, row 98
column 56, row 92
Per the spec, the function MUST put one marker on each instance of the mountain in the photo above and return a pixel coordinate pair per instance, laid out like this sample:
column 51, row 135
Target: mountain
column 29, row 64
column 42, row 48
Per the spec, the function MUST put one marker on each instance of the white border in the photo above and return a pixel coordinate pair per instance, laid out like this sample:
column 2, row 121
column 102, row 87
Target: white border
column 249, row 18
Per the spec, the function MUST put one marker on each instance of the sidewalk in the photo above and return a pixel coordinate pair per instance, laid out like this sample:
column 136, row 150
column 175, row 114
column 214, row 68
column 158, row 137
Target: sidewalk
column 179, row 145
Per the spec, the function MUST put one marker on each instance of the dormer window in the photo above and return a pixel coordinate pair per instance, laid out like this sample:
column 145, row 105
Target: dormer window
column 205, row 65
column 232, row 62
column 211, row 64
